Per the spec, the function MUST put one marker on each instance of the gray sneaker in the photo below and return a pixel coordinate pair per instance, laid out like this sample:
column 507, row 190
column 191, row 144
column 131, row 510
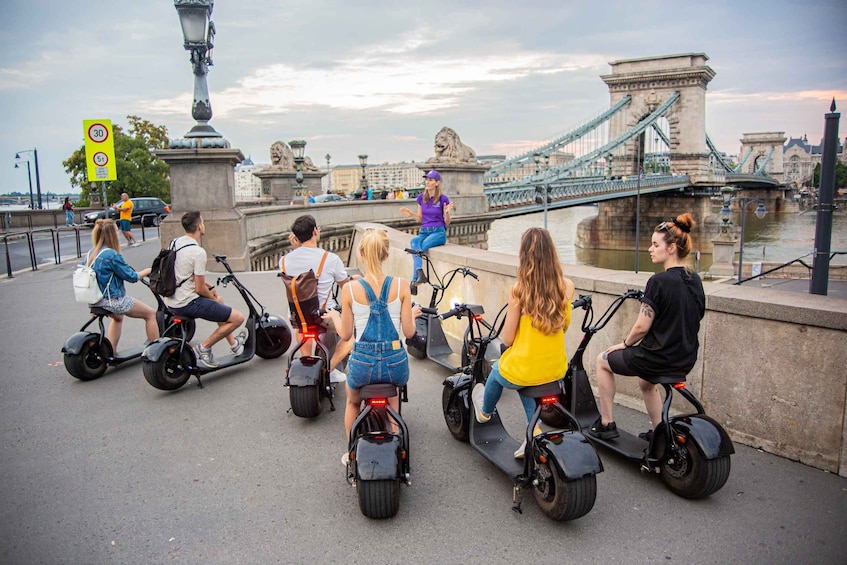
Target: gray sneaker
column 205, row 358
column 477, row 395
column 238, row 346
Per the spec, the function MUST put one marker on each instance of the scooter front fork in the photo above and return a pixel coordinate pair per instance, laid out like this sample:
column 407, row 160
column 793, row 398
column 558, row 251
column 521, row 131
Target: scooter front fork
column 517, row 496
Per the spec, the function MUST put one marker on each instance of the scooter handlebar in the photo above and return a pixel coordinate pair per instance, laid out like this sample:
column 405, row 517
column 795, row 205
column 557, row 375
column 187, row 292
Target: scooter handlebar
column 451, row 313
column 581, row 302
column 429, row 310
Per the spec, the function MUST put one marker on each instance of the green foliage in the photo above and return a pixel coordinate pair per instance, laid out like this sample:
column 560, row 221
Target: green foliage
column 840, row 175
column 140, row 172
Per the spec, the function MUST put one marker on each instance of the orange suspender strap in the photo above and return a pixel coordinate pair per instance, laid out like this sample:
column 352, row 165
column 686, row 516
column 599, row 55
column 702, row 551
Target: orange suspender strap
column 318, row 276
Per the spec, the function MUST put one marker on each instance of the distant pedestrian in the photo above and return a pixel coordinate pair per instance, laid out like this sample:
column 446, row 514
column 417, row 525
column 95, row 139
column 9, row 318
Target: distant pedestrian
column 125, row 221
column 69, row 212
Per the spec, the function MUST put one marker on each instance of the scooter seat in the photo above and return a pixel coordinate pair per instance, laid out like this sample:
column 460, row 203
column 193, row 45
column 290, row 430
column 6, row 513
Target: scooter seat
column 380, row 390
column 547, row 389
column 666, row 379
column 97, row 311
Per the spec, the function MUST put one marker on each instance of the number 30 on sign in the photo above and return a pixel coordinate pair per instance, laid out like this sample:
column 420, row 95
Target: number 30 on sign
column 99, row 150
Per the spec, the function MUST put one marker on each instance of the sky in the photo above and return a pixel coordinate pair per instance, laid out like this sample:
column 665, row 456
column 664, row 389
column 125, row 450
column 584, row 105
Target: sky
column 382, row 77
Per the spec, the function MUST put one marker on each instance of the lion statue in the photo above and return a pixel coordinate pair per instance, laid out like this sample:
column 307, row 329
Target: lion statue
column 450, row 149
column 283, row 158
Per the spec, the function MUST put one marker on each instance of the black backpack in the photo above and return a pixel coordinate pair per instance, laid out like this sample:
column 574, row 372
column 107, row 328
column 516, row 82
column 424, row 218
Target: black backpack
column 162, row 274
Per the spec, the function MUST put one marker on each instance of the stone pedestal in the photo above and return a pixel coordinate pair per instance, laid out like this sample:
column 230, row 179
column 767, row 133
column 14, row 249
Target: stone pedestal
column 723, row 251
column 204, row 180
column 278, row 185
column 463, row 184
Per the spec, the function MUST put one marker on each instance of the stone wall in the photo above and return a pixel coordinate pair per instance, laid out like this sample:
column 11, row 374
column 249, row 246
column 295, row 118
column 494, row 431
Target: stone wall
column 770, row 367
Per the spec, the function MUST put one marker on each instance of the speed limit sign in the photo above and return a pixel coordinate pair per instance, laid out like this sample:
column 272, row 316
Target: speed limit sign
column 99, row 150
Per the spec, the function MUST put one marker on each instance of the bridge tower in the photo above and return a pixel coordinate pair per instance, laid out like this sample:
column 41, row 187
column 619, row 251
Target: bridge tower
column 764, row 149
column 650, row 81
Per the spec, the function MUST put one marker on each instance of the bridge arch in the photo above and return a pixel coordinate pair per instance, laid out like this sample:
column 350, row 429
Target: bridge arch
column 650, row 82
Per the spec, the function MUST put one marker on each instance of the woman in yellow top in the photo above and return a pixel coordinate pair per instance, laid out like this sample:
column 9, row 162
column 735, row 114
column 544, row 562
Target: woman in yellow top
column 539, row 313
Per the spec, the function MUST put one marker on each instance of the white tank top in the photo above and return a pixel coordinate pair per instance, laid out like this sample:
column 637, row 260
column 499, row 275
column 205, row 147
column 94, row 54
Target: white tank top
column 361, row 312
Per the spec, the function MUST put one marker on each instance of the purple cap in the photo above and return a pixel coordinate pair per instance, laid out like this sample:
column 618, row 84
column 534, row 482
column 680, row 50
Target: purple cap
column 433, row 174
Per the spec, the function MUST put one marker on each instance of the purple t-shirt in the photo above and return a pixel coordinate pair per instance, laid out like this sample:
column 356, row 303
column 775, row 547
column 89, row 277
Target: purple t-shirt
column 432, row 215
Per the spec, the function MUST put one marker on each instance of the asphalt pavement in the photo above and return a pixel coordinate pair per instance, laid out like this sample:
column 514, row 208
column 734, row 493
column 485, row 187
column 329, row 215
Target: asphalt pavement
column 115, row 471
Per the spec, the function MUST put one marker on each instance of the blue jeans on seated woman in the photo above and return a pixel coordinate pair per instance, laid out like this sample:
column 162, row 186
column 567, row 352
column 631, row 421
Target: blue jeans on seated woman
column 426, row 239
column 494, row 388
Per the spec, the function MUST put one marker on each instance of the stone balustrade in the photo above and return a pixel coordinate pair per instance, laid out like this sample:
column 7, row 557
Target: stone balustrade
column 771, row 367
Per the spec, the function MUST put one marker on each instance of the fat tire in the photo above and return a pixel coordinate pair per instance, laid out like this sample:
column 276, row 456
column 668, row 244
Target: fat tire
column 272, row 342
column 563, row 500
column 305, row 400
column 693, row 476
column 169, row 372
column 455, row 416
column 379, row 499
column 90, row 363
column 554, row 418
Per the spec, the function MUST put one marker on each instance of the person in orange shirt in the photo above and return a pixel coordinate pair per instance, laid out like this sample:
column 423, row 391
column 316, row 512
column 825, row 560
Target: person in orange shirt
column 125, row 221
column 538, row 315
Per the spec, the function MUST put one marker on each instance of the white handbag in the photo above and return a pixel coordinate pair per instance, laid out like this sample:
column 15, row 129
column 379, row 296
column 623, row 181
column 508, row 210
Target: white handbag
column 86, row 289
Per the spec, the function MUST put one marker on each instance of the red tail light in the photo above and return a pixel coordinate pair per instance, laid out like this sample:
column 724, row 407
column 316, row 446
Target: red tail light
column 478, row 317
column 167, row 208
column 679, row 386
column 310, row 335
column 377, row 401
column 177, row 320
column 549, row 399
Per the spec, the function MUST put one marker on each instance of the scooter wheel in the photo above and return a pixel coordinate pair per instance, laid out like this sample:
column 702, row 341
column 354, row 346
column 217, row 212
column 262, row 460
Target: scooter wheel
column 689, row 475
column 171, row 370
column 305, row 400
column 563, row 500
column 91, row 362
column 272, row 342
column 456, row 416
column 379, row 499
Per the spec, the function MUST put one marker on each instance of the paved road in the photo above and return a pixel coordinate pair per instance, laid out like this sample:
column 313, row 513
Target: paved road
column 45, row 249
column 114, row 471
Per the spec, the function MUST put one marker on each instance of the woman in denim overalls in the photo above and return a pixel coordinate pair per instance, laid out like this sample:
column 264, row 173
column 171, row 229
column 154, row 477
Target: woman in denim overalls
column 378, row 354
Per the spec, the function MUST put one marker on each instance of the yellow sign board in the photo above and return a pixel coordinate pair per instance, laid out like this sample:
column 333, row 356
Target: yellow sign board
column 99, row 150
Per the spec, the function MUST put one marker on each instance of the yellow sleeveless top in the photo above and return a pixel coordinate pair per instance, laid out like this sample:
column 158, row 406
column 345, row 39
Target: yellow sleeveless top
column 535, row 358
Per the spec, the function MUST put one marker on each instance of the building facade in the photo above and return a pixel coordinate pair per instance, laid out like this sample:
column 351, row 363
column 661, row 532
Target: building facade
column 248, row 187
column 800, row 159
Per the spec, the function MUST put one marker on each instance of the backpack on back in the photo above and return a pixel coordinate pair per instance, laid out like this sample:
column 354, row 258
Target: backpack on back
column 302, row 290
column 163, row 274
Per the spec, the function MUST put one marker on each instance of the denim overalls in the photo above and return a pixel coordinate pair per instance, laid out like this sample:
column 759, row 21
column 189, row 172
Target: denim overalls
column 378, row 355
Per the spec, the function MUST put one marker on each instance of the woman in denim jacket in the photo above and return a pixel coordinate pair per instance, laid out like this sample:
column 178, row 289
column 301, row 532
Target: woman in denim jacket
column 378, row 353
column 112, row 270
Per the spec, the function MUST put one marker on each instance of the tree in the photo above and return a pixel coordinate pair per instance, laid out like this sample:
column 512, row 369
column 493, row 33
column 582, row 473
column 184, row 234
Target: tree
column 139, row 171
column 840, row 175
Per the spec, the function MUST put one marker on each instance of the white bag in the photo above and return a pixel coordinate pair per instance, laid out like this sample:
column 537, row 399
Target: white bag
column 86, row 289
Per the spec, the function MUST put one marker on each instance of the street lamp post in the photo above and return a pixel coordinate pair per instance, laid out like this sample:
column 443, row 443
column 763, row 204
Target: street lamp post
column 298, row 150
column 37, row 176
column 328, row 172
column 199, row 35
column 743, row 201
column 363, row 162
column 29, row 176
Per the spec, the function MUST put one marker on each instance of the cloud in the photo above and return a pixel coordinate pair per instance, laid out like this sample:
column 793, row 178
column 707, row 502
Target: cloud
column 735, row 97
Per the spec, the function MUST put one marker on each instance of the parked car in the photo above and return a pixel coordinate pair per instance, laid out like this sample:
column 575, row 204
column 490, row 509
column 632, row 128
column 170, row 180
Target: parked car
column 141, row 206
column 328, row 198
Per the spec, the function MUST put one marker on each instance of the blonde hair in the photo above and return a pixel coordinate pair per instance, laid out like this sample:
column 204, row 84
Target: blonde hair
column 105, row 232
column 540, row 287
column 374, row 249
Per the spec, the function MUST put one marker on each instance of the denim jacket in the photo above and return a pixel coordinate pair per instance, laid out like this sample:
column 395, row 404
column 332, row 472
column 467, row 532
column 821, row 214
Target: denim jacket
column 112, row 264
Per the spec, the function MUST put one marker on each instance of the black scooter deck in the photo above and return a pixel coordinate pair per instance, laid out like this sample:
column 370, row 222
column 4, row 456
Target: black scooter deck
column 452, row 361
column 628, row 445
column 128, row 354
column 496, row 445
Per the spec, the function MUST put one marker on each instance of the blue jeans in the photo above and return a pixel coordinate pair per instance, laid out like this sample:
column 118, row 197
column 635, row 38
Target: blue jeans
column 494, row 388
column 426, row 239
column 69, row 217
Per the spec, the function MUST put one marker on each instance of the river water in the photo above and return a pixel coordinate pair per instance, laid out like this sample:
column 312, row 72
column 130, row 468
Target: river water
column 776, row 238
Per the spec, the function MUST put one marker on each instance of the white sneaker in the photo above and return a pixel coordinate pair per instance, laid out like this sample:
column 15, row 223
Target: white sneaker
column 238, row 346
column 336, row 376
column 345, row 459
column 477, row 395
column 519, row 452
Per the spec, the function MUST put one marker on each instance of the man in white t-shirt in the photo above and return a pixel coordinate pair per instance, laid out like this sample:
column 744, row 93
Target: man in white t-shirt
column 305, row 234
column 195, row 298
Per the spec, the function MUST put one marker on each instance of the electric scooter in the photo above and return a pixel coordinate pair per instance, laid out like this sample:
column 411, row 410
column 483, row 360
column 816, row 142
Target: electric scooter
column 169, row 362
column 378, row 451
column 429, row 339
column 88, row 354
column 307, row 377
column 559, row 466
column 690, row 451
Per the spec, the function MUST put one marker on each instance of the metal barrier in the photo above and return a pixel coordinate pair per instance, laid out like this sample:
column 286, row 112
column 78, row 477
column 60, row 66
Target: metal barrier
column 155, row 221
column 32, row 236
